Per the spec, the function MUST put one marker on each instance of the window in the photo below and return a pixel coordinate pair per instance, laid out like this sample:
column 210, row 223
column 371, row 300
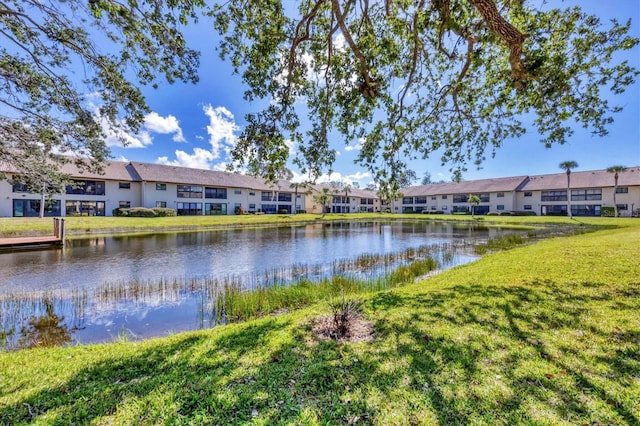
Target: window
column 124, row 185
column 20, row 187
column 586, row 194
column 161, row 204
column 267, row 196
column 444, row 197
column 500, row 207
column 433, row 197
column 252, row 192
column 284, row 196
column 527, row 207
column 237, row 191
column 269, row 208
column 460, row 198
column 31, row 208
column 217, row 193
column 586, row 210
column 421, row 200
column 215, row 209
column 553, row 196
column 554, row 210
column 622, row 190
column 87, row 187
column 161, row 186
column 84, row 208
column 189, row 209
column 189, row 191
column 252, row 206
column 124, row 204
column 622, row 206
column 407, row 200
column 500, row 194
column 366, row 201
column 528, row 194
column 444, row 208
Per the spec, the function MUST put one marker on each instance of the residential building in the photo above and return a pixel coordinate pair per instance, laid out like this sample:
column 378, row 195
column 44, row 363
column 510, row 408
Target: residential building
column 134, row 184
column 206, row 192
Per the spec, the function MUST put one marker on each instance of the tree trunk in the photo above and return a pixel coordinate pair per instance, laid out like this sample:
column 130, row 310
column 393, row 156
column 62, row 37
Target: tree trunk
column 569, row 194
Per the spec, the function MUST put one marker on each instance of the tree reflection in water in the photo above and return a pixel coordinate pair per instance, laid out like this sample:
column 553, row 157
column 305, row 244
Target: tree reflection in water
column 45, row 331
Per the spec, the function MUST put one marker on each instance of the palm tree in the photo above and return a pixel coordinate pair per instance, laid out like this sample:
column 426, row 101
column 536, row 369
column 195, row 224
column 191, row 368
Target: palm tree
column 323, row 198
column 296, row 186
column 567, row 166
column 347, row 190
column 616, row 170
column 473, row 201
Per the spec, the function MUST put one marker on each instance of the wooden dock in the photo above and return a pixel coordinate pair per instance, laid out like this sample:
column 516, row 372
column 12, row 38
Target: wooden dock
column 49, row 241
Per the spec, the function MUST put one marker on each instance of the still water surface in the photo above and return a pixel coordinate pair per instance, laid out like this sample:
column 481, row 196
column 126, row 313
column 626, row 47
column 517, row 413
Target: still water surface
column 68, row 285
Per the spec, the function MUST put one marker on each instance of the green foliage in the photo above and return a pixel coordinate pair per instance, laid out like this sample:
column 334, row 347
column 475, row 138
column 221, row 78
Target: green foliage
column 164, row 212
column 48, row 110
column 143, row 212
column 606, row 211
column 409, row 79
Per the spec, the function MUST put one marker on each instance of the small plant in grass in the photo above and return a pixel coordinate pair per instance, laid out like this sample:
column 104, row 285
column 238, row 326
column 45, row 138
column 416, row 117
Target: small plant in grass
column 345, row 313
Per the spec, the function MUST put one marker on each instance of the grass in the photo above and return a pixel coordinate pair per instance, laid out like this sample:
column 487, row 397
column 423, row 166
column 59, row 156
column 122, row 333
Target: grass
column 547, row 333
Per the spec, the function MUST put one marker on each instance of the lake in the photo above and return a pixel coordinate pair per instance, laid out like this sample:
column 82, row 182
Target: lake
column 100, row 289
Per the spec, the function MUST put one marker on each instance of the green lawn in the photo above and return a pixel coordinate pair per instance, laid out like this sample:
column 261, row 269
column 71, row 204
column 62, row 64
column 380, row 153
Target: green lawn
column 543, row 334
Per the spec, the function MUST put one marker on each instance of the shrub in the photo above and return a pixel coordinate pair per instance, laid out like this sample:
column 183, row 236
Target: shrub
column 120, row 211
column 283, row 211
column 607, row 211
column 141, row 212
column 164, row 212
column 493, row 213
column 432, row 212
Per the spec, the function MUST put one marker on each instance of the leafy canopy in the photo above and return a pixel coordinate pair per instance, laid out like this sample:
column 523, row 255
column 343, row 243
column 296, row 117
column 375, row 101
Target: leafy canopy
column 71, row 70
column 409, row 78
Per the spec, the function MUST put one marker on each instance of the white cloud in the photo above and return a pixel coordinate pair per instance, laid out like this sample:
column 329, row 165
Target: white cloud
column 291, row 145
column 164, row 125
column 200, row 159
column 356, row 147
column 153, row 123
column 221, row 129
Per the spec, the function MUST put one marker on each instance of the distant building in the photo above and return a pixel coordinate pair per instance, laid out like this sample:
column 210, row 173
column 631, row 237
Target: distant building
column 206, row 192
column 542, row 194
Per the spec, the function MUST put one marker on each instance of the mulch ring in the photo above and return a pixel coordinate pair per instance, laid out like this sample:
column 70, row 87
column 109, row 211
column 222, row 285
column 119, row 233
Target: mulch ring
column 359, row 330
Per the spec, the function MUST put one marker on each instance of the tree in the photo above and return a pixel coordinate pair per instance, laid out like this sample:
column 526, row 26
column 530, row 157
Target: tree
column 616, row 170
column 473, row 201
column 50, row 115
column 407, row 79
column 407, row 178
column 296, row 187
column 426, row 179
column 567, row 166
column 323, row 198
column 347, row 190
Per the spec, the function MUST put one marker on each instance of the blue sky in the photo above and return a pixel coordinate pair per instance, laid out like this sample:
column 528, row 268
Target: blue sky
column 195, row 125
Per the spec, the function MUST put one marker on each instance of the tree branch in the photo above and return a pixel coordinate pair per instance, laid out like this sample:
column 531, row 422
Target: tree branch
column 509, row 34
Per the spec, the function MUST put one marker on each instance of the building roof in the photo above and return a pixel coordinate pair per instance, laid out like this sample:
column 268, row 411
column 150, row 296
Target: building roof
column 173, row 174
column 467, row 187
column 113, row 170
column 353, row 192
column 586, row 179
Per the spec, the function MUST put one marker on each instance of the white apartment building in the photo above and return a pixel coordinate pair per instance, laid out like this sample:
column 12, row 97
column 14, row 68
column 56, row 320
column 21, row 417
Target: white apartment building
column 134, row 184
column 541, row 194
column 206, row 192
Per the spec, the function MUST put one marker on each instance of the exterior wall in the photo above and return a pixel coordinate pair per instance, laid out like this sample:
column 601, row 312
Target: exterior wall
column 113, row 194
